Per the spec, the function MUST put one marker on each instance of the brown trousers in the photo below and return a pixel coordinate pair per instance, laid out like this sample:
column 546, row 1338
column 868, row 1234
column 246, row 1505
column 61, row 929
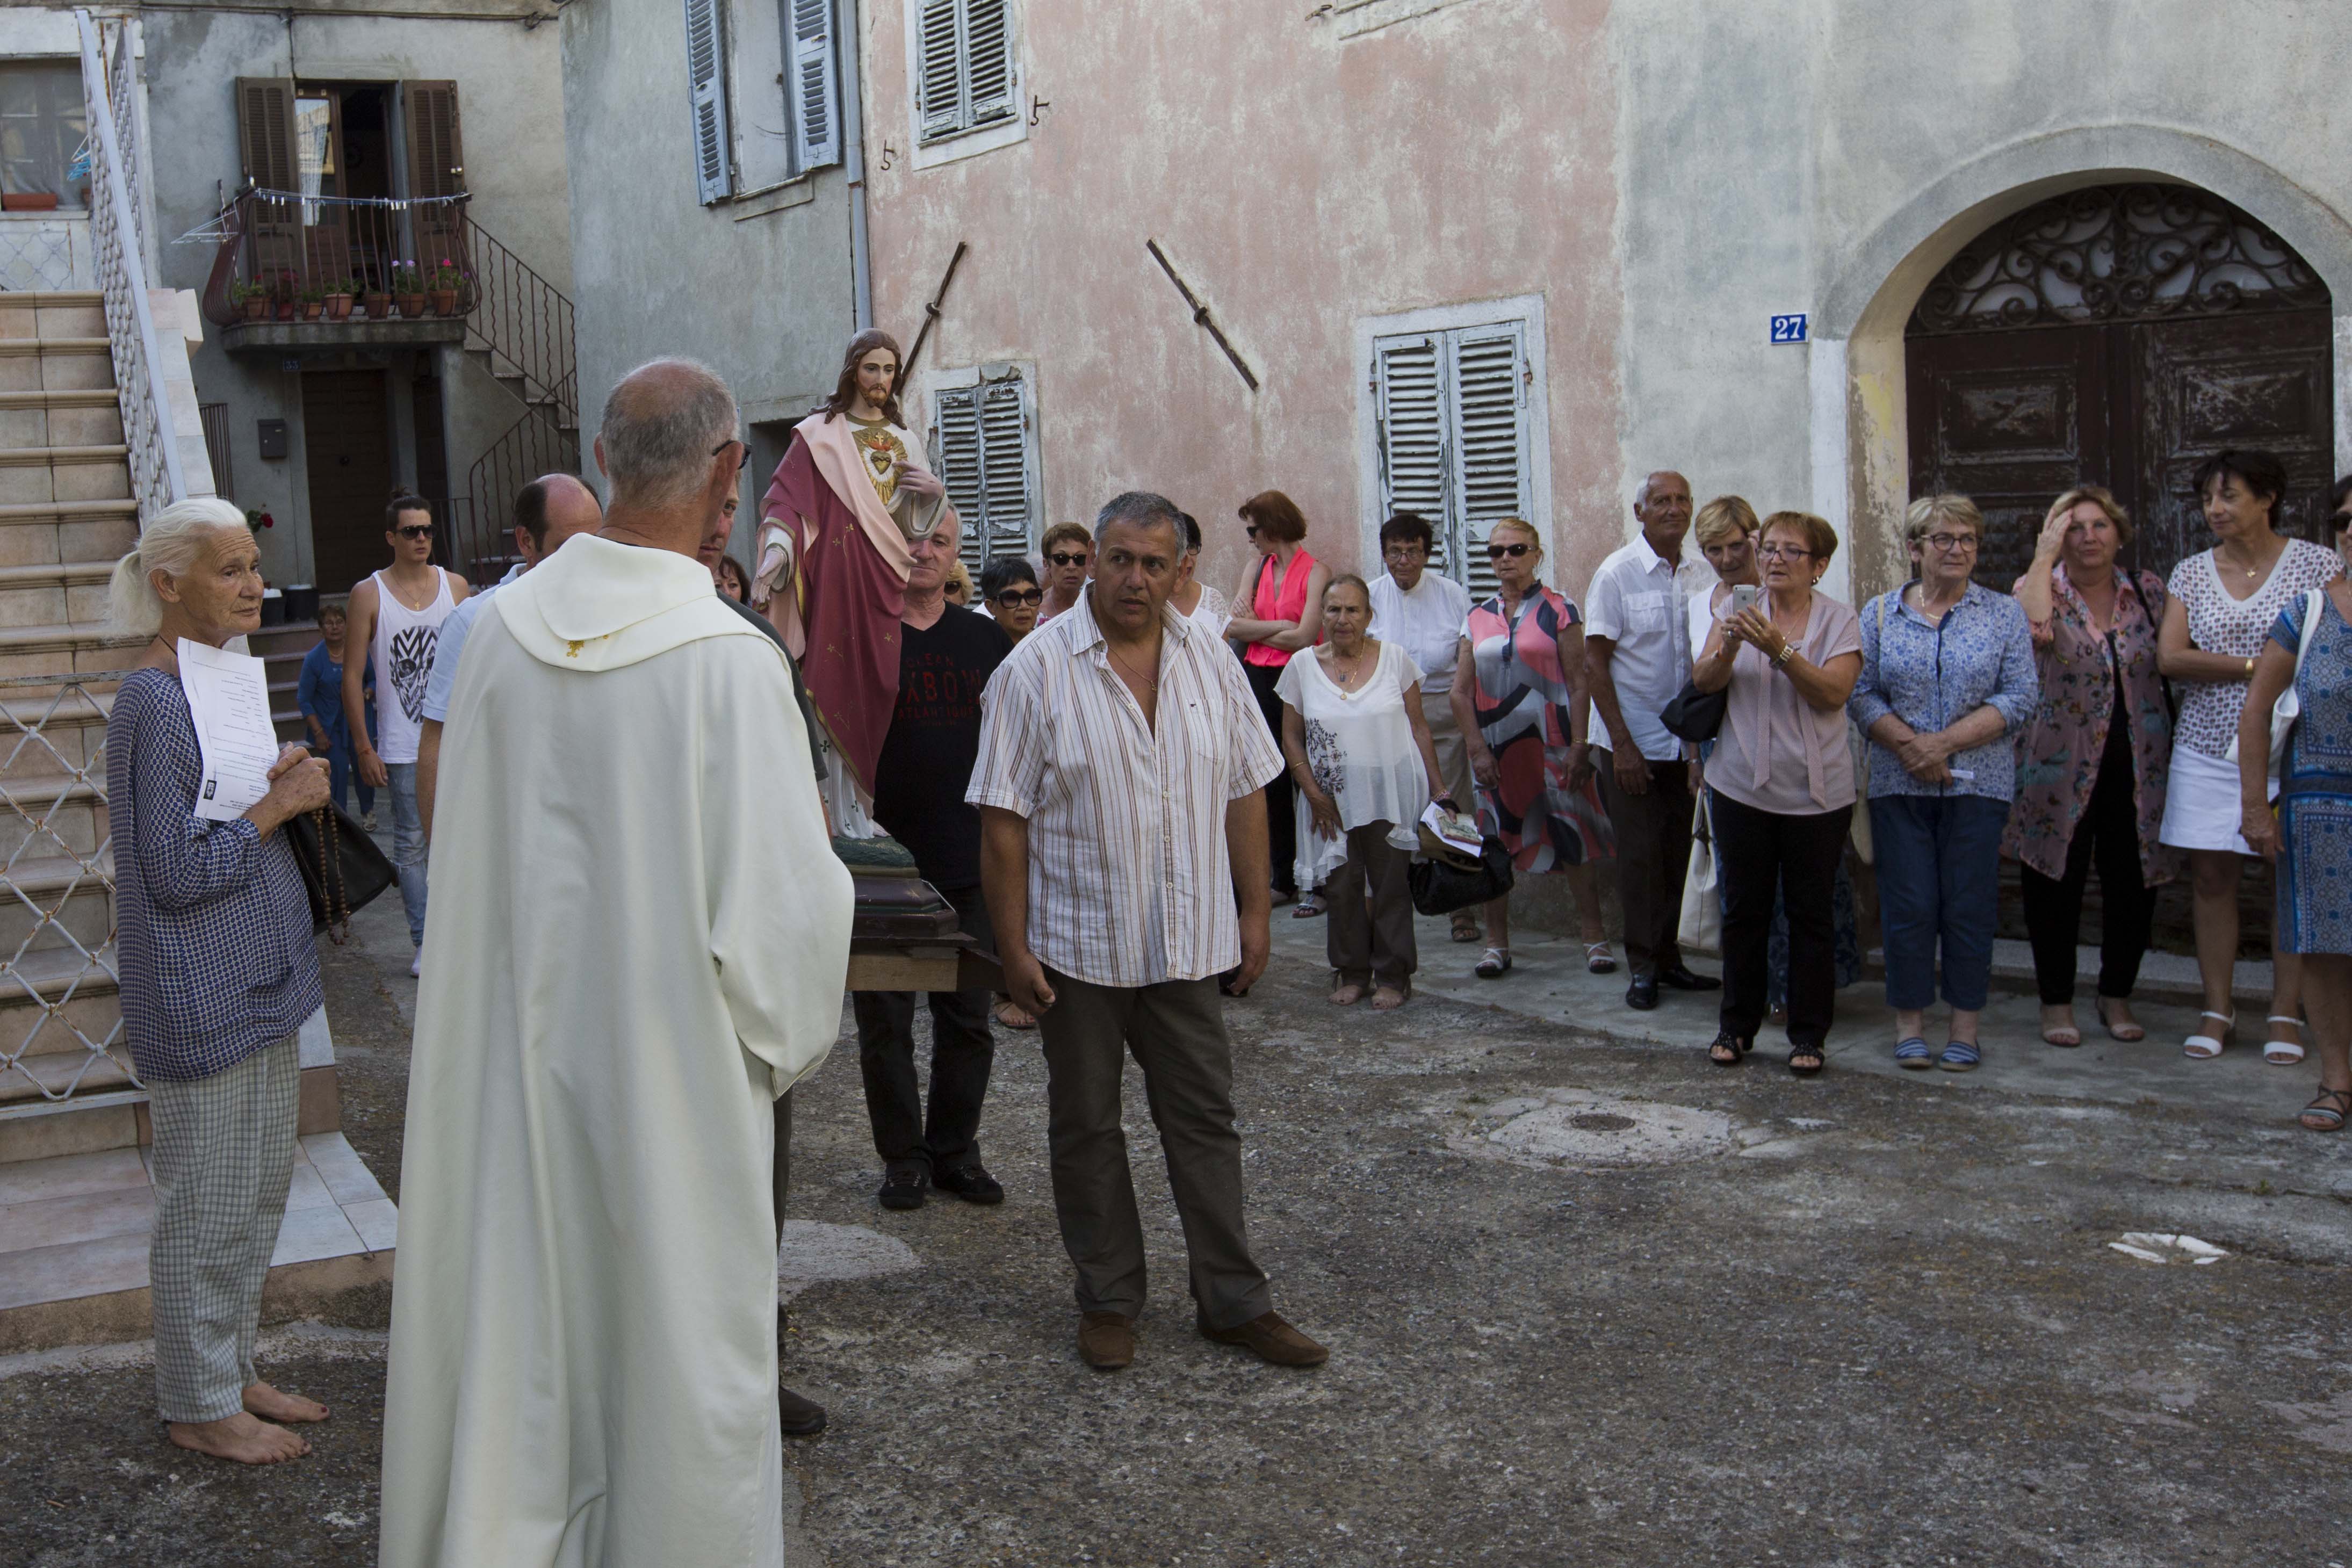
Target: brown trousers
column 1177, row 1032
column 1653, row 840
column 1369, row 939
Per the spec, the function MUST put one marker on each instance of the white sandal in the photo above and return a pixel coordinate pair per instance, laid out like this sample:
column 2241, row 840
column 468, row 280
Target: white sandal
column 2206, row 1047
column 2283, row 1052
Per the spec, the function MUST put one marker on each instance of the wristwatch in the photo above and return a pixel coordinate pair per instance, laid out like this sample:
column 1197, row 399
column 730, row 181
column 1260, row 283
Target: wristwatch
column 1788, row 652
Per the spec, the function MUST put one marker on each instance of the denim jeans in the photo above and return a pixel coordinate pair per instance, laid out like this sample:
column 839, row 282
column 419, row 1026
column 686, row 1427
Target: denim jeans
column 1938, row 882
column 408, row 846
column 342, row 775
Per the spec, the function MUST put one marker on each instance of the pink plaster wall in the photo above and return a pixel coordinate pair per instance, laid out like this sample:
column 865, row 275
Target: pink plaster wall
column 1299, row 183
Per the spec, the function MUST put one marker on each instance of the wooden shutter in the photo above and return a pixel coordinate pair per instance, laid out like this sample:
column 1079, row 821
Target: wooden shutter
column 940, row 89
column 815, row 90
column 1411, row 425
column 958, row 461
column 265, row 131
column 1490, row 434
column 990, row 86
column 436, row 167
column 706, row 81
column 1005, row 466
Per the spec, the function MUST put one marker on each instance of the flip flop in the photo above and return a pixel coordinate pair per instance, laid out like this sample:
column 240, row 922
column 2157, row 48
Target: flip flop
column 1494, row 963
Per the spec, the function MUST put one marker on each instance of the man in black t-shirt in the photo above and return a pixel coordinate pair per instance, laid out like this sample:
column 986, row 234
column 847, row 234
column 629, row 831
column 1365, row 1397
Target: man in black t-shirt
column 946, row 655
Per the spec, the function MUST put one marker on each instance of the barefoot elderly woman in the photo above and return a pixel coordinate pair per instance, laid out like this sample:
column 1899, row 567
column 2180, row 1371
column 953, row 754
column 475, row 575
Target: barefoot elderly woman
column 1121, row 783
column 218, row 973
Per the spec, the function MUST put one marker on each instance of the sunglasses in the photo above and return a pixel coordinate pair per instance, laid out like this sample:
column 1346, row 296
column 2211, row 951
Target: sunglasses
column 414, row 530
column 1496, row 552
column 1059, row 558
column 1021, row 597
column 745, row 461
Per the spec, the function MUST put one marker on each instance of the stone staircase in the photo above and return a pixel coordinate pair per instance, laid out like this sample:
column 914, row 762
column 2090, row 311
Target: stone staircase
column 75, row 1185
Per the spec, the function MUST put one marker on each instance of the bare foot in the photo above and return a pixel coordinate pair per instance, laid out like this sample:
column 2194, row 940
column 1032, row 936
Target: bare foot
column 275, row 1404
column 1387, row 999
column 1348, row 996
column 243, row 1437
column 2058, row 1026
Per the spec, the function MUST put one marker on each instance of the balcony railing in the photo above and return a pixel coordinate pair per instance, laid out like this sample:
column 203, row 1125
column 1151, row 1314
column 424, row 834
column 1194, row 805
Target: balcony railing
column 285, row 256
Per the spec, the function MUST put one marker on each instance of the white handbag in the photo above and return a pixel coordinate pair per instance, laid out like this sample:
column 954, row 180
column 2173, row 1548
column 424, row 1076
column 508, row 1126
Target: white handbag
column 2289, row 706
column 1702, row 923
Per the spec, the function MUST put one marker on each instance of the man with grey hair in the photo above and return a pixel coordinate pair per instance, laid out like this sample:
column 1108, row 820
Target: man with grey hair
column 1120, row 782
column 644, row 944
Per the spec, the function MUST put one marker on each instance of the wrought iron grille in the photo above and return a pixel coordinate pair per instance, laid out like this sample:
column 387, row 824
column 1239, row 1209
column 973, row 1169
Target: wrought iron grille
column 57, row 971
column 2117, row 253
column 216, row 447
column 44, row 253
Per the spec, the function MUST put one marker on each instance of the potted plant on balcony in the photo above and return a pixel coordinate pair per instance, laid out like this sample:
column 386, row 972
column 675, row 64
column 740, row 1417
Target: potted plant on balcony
column 446, row 281
column 377, row 300
column 339, row 295
column 285, row 297
column 408, row 289
column 251, row 300
column 314, row 303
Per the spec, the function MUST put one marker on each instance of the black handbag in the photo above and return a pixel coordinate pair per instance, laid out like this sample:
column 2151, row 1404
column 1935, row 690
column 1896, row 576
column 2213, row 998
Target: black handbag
column 1694, row 714
column 1439, row 887
column 342, row 870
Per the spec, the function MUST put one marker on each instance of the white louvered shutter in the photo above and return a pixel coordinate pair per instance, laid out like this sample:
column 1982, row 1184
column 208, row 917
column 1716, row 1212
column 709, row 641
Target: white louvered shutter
column 705, row 79
column 1490, row 439
column 990, row 90
column 1004, row 469
column 940, row 54
column 956, row 458
column 817, row 93
column 1410, row 406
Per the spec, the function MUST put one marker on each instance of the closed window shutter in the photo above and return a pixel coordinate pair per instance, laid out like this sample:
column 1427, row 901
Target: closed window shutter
column 989, row 84
column 958, row 461
column 1412, row 414
column 436, row 167
column 1004, row 469
column 942, row 55
column 265, row 128
column 1490, row 434
column 816, row 114
column 705, row 79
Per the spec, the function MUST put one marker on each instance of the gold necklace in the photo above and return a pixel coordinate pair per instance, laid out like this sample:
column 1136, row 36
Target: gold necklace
column 2254, row 571
column 1151, row 681
column 1348, row 679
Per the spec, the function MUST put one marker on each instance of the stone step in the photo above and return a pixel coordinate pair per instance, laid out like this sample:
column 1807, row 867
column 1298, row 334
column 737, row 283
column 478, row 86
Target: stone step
column 34, row 474
column 52, row 816
column 72, row 364
column 55, row 1004
column 73, row 592
column 52, row 315
column 60, row 417
column 49, row 532
column 69, row 905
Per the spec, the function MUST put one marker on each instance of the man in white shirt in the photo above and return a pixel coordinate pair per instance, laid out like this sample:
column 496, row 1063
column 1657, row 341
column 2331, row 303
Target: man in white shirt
column 1121, row 787
column 1637, row 657
column 1424, row 612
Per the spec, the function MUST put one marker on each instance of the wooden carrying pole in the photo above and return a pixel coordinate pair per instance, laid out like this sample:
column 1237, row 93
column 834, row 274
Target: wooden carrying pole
column 931, row 312
column 1201, row 312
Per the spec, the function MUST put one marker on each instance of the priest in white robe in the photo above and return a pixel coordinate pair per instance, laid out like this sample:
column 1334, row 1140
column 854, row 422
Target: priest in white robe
column 641, row 938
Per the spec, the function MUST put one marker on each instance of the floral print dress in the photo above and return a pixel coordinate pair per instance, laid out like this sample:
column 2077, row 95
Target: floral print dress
column 2059, row 749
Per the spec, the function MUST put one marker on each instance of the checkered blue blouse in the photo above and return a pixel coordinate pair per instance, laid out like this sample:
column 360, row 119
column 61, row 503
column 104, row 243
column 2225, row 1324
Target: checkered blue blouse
column 213, row 928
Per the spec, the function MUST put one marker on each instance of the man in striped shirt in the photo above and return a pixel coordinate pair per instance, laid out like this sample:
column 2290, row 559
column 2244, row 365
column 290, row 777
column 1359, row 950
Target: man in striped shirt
column 1121, row 783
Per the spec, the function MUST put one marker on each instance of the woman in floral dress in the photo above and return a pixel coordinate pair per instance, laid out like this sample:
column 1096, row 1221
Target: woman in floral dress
column 2092, row 761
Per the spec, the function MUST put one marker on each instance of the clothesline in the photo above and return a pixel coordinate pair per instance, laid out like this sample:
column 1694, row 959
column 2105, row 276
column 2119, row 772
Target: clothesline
column 210, row 230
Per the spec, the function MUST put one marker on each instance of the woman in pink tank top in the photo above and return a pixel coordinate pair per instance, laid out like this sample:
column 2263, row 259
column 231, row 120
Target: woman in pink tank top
column 1283, row 590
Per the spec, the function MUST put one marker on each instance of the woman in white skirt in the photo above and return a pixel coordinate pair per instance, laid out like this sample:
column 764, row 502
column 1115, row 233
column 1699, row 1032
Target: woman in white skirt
column 2223, row 604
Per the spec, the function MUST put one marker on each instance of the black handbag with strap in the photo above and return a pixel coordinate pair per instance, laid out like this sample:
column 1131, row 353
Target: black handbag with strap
column 1441, row 887
column 1694, row 714
column 342, row 870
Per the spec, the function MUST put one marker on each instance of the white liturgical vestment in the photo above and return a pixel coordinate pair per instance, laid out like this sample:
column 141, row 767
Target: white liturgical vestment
column 640, row 935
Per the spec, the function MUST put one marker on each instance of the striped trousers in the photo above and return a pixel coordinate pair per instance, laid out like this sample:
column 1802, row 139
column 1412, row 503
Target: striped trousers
column 223, row 1157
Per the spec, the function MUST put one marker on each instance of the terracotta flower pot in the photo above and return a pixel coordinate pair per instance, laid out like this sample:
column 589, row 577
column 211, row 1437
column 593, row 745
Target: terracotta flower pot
column 338, row 307
column 313, row 308
column 379, row 306
column 287, row 309
column 254, row 308
column 444, row 301
column 412, row 305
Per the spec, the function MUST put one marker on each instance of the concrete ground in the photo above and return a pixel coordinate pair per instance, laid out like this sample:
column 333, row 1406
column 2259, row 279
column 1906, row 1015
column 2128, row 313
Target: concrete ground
column 1591, row 1300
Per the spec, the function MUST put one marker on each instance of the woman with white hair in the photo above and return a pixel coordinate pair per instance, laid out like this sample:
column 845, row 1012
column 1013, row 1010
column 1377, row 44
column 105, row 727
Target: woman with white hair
column 219, row 970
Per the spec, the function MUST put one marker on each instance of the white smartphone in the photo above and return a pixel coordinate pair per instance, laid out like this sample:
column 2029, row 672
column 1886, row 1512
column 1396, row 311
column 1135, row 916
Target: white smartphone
column 1743, row 596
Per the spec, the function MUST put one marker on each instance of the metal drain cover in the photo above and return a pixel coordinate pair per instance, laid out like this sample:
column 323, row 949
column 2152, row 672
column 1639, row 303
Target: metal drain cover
column 1578, row 1129
column 1603, row 1121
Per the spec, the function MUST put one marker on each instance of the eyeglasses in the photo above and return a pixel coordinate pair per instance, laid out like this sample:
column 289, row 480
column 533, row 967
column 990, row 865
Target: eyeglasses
column 730, row 441
column 1949, row 543
column 1782, row 552
column 1023, row 598
column 414, row 530
column 1496, row 552
column 1405, row 552
column 1060, row 558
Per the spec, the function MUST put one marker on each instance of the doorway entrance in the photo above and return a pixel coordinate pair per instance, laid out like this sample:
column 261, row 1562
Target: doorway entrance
column 2118, row 334
column 347, row 449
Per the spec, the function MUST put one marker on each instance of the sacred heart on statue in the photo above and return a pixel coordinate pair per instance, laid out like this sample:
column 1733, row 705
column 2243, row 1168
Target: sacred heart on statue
column 884, row 452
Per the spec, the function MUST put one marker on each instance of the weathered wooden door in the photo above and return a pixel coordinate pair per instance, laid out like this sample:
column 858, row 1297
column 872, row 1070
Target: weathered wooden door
column 347, row 454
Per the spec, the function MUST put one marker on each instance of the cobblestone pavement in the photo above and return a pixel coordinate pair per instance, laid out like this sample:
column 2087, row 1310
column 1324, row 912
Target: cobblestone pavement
column 1590, row 1300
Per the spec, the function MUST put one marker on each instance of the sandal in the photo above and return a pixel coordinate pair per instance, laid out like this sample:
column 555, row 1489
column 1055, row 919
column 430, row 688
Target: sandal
column 1310, row 905
column 1388, row 998
column 2126, row 1030
column 2067, row 1033
column 1012, row 1017
column 1914, row 1053
column 1347, row 995
column 1599, row 959
column 1494, row 963
column 2283, row 1052
column 1728, row 1050
column 2206, row 1047
column 1804, row 1060
column 1465, row 926
column 2320, row 1116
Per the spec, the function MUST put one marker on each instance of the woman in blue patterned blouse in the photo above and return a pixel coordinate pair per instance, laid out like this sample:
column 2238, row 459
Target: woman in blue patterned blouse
column 219, row 970
column 1947, row 675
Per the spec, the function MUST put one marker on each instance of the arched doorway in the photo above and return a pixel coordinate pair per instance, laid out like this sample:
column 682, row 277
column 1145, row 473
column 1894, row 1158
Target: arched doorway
column 2117, row 333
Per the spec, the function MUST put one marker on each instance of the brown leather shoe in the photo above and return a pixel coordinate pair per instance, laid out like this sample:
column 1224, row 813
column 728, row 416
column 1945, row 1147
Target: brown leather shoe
column 1273, row 1339
column 1106, row 1340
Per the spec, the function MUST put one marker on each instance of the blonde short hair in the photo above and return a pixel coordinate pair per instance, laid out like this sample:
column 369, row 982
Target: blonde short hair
column 1925, row 513
column 1723, row 519
column 1525, row 526
column 1818, row 537
column 2102, row 497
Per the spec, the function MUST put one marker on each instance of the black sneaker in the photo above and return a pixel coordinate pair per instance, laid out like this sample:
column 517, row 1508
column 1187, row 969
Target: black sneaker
column 904, row 1184
column 971, row 1183
column 799, row 1417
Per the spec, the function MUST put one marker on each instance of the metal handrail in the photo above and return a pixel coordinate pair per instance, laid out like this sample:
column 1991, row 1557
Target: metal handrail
column 156, row 479
column 525, row 321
